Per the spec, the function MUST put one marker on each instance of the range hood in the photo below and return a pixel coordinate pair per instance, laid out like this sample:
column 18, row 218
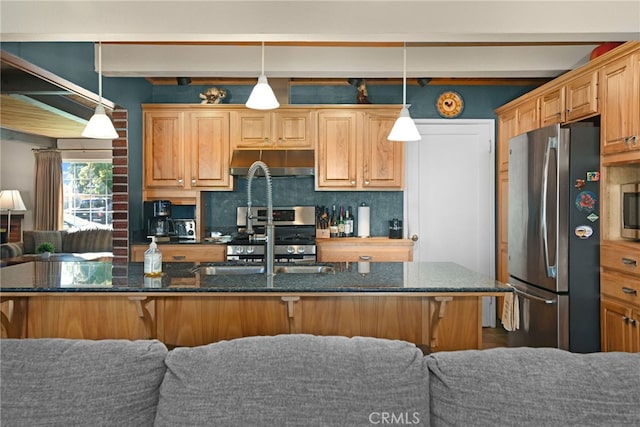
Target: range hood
column 280, row 162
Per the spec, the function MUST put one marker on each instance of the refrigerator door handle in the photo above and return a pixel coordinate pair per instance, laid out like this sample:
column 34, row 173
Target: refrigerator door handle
column 534, row 297
column 552, row 144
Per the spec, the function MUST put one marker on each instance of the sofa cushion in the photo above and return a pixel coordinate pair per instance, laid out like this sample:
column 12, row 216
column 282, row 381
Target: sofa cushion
column 295, row 380
column 95, row 240
column 33, row 238
column 80, row 382
column 11, row 250
column 534, row 387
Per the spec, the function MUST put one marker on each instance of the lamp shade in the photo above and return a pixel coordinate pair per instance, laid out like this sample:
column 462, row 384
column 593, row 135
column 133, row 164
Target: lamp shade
column 10, row 200
column 404, row 129
column 100, row 126
column 262, row 96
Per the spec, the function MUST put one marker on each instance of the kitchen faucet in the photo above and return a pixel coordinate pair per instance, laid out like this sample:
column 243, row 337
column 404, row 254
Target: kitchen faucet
column 269, row 236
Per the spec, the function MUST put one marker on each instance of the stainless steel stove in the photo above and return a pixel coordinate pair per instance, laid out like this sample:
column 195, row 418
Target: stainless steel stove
column 294, row 234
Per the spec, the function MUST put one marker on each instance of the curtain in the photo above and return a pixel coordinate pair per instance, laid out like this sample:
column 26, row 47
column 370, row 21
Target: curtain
column 48, row 209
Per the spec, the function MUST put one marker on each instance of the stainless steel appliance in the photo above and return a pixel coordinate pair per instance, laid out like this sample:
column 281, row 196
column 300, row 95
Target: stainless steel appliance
column 185, row 228
column 554, row 237
column 294, row 234
column 630, row 210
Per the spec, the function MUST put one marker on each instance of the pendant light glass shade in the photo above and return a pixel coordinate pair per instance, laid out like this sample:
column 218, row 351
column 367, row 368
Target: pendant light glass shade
column 100, row 126
column 404, row 129
column 262, row 96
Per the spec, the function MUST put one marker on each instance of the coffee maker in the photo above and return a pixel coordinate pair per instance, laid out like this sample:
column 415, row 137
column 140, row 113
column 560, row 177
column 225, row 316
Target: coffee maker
column 157, row 216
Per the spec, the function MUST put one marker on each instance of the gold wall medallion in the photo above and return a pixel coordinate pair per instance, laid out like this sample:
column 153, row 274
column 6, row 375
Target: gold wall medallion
column 450, row 104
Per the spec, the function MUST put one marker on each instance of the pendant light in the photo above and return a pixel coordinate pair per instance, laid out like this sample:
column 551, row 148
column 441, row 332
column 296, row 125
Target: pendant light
column 404, row 129
column 100, row 126
column 262, row 96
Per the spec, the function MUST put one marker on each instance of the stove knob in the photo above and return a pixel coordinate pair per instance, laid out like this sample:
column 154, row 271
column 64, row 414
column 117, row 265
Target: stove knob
column 239, row 249
column 301, row 250
column 290, row 249
column 251, row 249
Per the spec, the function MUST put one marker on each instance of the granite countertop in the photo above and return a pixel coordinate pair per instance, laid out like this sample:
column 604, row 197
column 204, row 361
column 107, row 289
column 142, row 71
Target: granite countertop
column 103, row 277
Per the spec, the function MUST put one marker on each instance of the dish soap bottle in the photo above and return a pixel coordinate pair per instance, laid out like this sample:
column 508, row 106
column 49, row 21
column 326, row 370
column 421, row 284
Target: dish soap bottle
column 153, row 260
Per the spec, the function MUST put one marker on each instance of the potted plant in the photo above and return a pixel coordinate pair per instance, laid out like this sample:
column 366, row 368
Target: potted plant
column 46, row 249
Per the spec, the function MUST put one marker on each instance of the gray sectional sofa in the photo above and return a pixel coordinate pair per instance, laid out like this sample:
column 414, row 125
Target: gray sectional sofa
column 66, row 242
column 304, row 380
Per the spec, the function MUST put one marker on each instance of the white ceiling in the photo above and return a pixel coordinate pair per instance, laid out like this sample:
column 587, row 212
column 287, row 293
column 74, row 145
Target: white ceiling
column 306, row 38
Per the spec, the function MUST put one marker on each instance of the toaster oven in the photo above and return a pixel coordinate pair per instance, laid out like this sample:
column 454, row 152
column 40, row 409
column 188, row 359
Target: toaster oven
column 185, row 228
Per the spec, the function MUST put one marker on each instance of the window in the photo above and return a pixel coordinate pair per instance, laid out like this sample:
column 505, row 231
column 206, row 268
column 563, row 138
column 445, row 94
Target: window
column 87, row 194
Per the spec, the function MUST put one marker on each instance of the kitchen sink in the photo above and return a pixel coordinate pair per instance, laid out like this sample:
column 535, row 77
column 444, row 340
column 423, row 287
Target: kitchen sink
column 216, row 270
column 303, row 269
column 213, row 270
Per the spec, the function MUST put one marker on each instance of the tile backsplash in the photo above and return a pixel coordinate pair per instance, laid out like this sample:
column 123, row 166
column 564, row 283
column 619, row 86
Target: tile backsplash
column 220, row 207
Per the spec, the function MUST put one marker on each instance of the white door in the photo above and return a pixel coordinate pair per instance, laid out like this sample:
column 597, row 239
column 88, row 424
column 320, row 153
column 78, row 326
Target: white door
column 449, row 196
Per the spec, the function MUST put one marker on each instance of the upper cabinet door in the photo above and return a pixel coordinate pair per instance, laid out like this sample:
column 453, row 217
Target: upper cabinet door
column 336, row 152
column 164, row 149
column 383, row 165
column 208, row 136
column 619, row 104
column 552, row 107
column 582, row 97
column 293, row 128
column 251, row 129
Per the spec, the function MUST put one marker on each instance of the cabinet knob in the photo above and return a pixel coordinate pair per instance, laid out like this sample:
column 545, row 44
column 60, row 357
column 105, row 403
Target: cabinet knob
column 366, row 182
column 266, row 140
column 193, row 180
column 414, row 237
column 630, row 291
column 180, row 181
column 353, row 182
column 633, row 139
column 630, row 261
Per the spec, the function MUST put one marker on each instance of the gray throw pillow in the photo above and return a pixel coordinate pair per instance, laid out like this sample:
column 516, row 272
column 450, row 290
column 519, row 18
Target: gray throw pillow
column 80, row 382
column 295, row 380
column 534, row 387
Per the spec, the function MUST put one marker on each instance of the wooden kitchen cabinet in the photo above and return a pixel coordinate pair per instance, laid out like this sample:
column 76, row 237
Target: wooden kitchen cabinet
column 89, row 317
column 528, row 115
column 183, row 252
column 620, row 93
column 353, row 152
column 620, row 296
column 199, row 320
column 581, row 97
column 620, row 327
column 356, row 249
column 283, row 128
column 185, row 148
column 552, row 107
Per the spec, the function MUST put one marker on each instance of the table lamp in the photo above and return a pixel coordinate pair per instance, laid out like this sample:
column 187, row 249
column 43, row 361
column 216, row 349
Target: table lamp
column 10, row 200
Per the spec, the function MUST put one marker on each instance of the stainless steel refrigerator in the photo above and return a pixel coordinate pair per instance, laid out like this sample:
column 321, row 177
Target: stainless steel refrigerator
column 554, row 237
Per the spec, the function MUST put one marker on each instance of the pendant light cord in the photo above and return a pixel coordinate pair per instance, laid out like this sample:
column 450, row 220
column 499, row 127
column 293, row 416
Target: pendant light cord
column 100, row 72
column 404, row 75
column 262, row 73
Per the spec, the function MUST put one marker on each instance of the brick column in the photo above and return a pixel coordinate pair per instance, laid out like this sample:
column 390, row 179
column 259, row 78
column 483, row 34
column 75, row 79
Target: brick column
column 120, row 188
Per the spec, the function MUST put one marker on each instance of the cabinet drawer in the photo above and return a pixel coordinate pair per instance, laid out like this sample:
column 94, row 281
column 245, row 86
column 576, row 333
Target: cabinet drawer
column 184, row 253
column 621, row 286
column 623, row 258
column 374, row 250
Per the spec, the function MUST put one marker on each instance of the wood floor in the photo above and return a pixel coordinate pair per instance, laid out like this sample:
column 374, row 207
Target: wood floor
column 494, row 337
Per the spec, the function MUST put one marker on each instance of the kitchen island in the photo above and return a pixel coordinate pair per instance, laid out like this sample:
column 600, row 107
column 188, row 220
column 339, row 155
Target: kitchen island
column 434, row 304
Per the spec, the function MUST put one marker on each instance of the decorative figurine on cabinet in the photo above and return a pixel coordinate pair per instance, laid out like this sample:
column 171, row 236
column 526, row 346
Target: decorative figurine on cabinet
column 213, row 95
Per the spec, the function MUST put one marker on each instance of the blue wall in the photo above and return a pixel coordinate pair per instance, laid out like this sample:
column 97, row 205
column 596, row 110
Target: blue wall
column 74, row 62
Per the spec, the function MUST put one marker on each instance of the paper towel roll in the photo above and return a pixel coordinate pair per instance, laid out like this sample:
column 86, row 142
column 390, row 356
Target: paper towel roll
column 363, row 221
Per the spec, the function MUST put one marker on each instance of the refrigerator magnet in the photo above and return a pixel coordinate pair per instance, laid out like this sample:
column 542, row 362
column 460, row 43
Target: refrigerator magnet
column 580, row 183
column 586, row 201
column 584, row 231
column 593, row 176
column 593, row 217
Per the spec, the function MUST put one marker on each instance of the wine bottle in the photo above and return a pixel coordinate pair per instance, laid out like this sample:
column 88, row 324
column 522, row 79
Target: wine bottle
column 348, row 222
column 333, row 223
column 341, row 223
